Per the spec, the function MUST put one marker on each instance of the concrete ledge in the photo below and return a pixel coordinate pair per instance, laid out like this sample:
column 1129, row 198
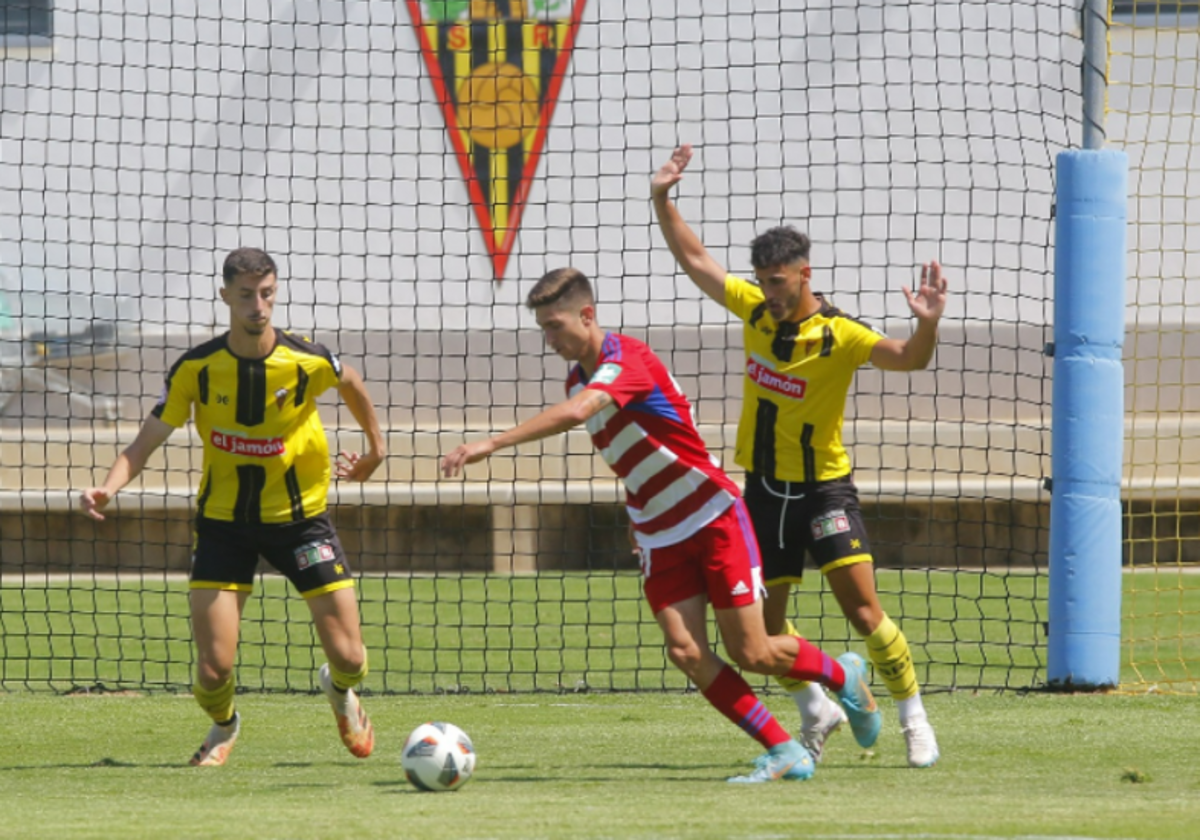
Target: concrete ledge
column 948, row 490
column 885, row 452
column 533, row 528
column 936, row 493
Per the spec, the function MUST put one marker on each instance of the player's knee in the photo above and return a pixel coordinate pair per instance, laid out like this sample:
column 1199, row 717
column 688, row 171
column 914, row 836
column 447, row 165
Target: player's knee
column 349, row 659
column 212, row 675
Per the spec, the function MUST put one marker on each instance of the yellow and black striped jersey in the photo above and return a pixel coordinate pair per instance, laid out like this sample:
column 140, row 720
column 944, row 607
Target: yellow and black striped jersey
column 794, row 392
column 266, row 458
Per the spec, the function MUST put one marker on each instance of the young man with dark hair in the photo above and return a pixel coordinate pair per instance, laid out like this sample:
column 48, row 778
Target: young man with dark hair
column 801, row 357
column 264, row 491
column 691, row 529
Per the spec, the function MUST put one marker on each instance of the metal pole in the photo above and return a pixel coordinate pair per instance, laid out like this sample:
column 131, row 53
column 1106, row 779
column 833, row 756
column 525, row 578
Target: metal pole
column 1095, row 71
column 1088, row 409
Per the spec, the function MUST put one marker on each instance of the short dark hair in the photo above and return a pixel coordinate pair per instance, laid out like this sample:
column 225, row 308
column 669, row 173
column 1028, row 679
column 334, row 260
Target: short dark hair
column 250, row 261
column 568, row 284
column 779, row 246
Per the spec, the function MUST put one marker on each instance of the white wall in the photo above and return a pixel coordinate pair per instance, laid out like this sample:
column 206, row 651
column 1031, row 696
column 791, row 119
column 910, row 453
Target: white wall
column 1154, row 97
column 161, row 136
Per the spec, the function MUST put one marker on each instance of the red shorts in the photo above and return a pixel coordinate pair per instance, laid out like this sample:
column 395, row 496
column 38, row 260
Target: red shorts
column 720, row 560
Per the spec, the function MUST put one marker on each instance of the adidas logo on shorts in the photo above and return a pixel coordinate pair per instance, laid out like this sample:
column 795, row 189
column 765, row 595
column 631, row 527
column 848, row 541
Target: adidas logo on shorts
column 740, row 589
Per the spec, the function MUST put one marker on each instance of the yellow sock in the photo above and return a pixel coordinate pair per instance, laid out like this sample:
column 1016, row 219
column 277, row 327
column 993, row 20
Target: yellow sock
column 343, row 681
column 888, row 649
column 217, row 702
column 790, row 685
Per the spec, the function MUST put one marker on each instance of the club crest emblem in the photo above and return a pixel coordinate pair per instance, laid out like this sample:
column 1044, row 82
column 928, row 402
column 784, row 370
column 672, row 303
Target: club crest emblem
column 497, row 67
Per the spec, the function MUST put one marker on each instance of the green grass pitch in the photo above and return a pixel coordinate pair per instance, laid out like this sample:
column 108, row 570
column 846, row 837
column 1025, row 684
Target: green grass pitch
column 596, row 766
column 556, row 762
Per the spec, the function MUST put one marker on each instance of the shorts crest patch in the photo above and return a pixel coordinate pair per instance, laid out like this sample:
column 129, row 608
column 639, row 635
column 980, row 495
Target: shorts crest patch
column 833, row 522
column 314, row 553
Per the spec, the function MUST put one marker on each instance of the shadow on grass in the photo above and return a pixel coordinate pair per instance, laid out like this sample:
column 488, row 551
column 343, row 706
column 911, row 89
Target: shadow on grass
column 624, row 772
column 102, row 763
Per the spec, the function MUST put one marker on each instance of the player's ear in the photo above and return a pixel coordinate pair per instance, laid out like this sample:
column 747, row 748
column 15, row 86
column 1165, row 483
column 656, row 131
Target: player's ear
column 587, row 314
column 224, row 293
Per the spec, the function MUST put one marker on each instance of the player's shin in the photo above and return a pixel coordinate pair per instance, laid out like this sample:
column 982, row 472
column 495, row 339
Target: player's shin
column 345, row 680
column 732, row 696
column 814, row 665
column 889, row 652
column 218, row 702
column 810, row 700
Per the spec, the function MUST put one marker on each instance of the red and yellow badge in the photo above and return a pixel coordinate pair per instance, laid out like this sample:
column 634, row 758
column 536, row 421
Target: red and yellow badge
column 497, row 67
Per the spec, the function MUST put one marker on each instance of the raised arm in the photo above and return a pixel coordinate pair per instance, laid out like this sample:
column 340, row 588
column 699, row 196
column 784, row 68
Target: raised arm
column 129, row 464
column 351, row 465
column 554, row 420
column 689, row 251
column 927, row 304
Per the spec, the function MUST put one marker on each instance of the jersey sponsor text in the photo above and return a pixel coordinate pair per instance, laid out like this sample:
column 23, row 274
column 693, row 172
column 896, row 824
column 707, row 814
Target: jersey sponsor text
column 763, row 376
column 252, row 447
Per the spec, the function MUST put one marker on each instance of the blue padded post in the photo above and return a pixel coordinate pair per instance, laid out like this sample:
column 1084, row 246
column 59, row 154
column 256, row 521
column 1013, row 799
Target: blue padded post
column 1088, row 425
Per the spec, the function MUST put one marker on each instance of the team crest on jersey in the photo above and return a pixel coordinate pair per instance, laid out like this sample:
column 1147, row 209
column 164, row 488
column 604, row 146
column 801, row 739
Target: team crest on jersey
column 314, row 553
column 607, row 373
column 496, row 68
column 281, row 398
column 833, row 522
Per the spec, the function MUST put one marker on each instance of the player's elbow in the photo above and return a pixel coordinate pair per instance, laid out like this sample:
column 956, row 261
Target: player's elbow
column 922, row 362
column 904, row 362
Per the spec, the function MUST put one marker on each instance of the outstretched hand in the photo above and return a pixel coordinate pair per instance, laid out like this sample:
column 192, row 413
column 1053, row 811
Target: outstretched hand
column 354, row 467
column 671, row 172
column 93, row 500
column 468, row 453
column 929, row 301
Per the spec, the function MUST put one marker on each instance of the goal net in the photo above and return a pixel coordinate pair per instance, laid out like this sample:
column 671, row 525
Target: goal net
column 1153, row 82
column 414, row 168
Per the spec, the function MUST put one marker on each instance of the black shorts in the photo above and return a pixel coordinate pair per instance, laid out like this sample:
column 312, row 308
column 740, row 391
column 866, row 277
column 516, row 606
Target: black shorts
column 793, row 518
column 225, row 555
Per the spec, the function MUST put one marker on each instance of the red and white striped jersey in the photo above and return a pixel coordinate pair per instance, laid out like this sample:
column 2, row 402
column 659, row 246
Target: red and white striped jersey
column 673, row 486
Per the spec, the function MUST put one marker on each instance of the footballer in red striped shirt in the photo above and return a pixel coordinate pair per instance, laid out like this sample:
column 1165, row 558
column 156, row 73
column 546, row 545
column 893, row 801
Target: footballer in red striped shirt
column 688, row 522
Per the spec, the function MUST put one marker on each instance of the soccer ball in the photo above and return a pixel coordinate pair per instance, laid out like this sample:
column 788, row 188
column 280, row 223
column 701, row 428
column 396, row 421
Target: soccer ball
column 437, row 757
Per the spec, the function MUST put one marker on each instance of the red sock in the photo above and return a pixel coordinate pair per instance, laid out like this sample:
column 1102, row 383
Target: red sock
column 733, row 697
column 814, row 665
